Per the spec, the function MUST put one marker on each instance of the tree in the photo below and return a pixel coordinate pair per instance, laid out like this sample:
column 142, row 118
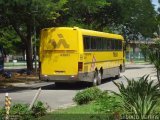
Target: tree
column 10, row 41
column 139, row 97
column 84, row 13
column 154, row 57
column 129, row 18
column 23, row 15
column 138, row 17
column 144, row 49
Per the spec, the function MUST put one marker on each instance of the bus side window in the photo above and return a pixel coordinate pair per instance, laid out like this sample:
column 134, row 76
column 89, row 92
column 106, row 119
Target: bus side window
column 109, row 46
column 112, row 44
column 99, row 43
column 116, row 45
column 87, row 42
column 120, row 45
column 103, row 43
column 93, row 43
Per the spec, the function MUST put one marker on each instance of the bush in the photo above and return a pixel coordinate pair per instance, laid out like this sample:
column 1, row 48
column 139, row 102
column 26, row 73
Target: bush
column 139, row 96
column 17, row 112
column 39, row 109
column 108, row 103
column 87, row 95
column 22, row 112
column 2, row 113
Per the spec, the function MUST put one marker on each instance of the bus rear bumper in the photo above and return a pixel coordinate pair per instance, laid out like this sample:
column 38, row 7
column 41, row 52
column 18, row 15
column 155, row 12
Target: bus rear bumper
column 86, row 77
column 59, row 78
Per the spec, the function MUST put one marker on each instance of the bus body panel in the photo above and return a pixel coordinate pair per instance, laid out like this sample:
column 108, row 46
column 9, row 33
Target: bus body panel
column 62, row 49
column 102, row 59
column 59, row 52
column 59, row 63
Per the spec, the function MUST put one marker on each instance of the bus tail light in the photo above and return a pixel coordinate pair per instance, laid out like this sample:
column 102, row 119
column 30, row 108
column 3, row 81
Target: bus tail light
column 80, row 66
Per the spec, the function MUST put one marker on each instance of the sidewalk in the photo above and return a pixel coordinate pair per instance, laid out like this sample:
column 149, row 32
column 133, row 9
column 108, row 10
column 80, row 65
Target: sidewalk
column 136, row 62
column 18, row 65
column 32, row 85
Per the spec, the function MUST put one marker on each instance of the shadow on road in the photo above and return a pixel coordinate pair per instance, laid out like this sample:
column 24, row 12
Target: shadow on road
column 12, row 89
column 128, row 68
column 52, row 86
column 74, row 86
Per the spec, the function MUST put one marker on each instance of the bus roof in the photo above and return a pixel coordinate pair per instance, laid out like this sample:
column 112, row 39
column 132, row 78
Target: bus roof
column 90, row 32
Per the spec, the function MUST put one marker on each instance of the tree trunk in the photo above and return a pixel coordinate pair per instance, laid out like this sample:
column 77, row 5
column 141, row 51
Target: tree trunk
column 23, row 53
column 27, row 40
column 29, row 48
column 145, row 56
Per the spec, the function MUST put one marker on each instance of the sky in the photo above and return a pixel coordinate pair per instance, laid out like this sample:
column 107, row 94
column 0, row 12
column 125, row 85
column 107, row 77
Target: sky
column 155, row 2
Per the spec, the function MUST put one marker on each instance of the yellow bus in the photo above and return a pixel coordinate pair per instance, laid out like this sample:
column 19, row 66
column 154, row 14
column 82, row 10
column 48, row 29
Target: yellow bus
column 72, row 54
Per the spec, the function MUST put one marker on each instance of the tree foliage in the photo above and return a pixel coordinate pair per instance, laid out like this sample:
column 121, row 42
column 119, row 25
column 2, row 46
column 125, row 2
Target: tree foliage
column 130, row 18
column 138, row 17
column 84, row 13
column 154, row 57
column 23, row 15
column 10, row 40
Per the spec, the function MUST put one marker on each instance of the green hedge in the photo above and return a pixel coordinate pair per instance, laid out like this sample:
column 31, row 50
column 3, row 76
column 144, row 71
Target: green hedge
column 22, row 112
column 87, row 95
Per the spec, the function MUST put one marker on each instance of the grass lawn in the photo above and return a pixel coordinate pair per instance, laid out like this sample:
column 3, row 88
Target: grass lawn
column 80, row 109
column 80, row 112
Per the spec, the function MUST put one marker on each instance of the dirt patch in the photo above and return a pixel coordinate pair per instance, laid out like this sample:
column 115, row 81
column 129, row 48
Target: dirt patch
column 17, row 78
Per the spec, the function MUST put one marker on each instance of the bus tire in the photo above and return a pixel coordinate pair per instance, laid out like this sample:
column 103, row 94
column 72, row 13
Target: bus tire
column 99, row 78
column 118, row 75
column 95, row 79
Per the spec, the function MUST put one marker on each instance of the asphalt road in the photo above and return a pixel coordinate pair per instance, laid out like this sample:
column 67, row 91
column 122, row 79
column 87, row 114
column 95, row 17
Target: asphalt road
column 57, row 97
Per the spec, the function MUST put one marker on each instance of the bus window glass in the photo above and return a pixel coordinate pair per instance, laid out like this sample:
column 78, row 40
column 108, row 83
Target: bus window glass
column 99, row 43
column 109, row 46
column 116, row 45
column 112, row 44
column 93, row 43
column 105, row 43
column 120, row 45
column 87, row 42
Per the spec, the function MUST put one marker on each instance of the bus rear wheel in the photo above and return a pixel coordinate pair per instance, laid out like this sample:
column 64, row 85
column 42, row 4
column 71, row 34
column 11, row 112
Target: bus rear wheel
column 97, row 78
column 118, row 74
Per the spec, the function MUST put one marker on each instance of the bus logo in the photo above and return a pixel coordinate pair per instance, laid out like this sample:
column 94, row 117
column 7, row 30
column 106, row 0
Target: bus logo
column 62, row 41
column 115, row 54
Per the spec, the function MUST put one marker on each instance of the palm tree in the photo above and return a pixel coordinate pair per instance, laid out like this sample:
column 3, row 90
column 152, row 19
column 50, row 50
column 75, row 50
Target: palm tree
column 139, row 97
column 154, row 57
